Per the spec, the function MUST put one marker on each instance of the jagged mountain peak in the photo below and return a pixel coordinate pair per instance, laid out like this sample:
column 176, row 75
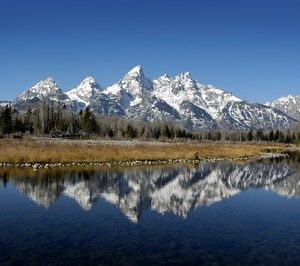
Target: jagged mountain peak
column 134, row 83
column 178, row 91
column 87, row 85
column 48, row 83
column 137, row 70
column 90, row 81
column 135, row 74
column 44, row 90
column 285, row 99
column 85, row 92
column 185, row 82
column 289, row 105
column 164, row 78
column 179, row 98
column 290, row 96
column 50, row 79
column 45, row 87
column 47, row 80
column 184, row 75
column 183, row 79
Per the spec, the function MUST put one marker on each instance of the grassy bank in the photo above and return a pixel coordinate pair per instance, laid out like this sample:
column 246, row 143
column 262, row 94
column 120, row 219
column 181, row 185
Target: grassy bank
column 52, row 150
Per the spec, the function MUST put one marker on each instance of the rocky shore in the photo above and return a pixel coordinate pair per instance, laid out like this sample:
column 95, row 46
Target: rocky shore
column 36, row 166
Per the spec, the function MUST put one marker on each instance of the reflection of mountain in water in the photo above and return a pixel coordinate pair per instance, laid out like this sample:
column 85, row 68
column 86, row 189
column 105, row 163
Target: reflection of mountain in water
column 288, row 187
column 178, row 189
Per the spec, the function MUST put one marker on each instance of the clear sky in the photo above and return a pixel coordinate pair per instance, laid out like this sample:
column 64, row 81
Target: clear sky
column 248, row 47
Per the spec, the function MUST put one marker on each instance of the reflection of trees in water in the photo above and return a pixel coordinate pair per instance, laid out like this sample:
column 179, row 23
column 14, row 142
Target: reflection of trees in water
column 178, row 189
column 5, row 177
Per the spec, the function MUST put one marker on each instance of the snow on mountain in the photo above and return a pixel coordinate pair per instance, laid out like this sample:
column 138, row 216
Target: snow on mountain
column 136, row 84
column 152, row 109
column 290, row 105
column 46, row 90
column 132, row 88
column 207, row 107
column 85, row 92
column 215, row 100
column 180, row 99
column 182, row 88
column 217, row 108
column 4, row 103
column 182, row 93
column 246, row 115
column 176, row 90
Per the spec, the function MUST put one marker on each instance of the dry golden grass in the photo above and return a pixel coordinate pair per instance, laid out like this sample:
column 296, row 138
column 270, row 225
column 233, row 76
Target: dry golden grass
column 53, row 151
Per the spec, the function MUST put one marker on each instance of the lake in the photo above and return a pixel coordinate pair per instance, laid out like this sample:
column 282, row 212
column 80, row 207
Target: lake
column 221, row 213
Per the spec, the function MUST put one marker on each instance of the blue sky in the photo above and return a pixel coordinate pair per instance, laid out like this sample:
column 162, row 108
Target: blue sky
column 250, row 48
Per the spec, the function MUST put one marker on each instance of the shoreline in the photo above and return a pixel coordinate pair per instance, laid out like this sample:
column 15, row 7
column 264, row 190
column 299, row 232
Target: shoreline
column 36, row 166
column 39, row 152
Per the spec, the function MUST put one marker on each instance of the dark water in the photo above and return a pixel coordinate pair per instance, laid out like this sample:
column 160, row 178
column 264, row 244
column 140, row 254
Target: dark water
column 213, row 213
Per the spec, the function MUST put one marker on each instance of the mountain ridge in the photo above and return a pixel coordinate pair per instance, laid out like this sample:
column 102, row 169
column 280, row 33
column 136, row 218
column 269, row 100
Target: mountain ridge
column 180, row 99
column 289, row 104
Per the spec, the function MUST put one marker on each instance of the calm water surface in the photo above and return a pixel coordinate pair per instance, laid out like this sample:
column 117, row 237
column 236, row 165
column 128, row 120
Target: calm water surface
column 212, row 213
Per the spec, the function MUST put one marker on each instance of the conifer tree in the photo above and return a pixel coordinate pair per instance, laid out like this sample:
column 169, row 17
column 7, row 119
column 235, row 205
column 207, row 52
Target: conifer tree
column 89, row 123
column 6, row 121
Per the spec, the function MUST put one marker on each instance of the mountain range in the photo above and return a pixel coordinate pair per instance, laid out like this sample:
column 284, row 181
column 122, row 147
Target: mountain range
column 180, row 99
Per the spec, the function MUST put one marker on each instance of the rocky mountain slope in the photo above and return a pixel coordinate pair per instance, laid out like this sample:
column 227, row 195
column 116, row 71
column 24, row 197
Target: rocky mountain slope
column 289, row 105
column 44, row 91
column 84, row 93
column 180, row 99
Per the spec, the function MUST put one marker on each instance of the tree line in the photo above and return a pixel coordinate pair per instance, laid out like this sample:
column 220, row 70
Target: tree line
column 56, row 120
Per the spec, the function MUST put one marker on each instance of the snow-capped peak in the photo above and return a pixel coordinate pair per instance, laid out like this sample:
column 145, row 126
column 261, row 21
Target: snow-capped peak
column 136, row 74
column 289, row 105
column 44, row 90
column 45, row 87
column 48, row 80
column 178, row 89
column 137, row 70
column 133, row 83
column 180, row 98
column 285, row 99
column 216, row 99
column 184, row 75
column 186, row 81
column 90, row 82
column 85, row 91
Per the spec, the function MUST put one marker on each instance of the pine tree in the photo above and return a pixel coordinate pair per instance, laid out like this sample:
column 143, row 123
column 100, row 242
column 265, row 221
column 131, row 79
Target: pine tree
column 89, row 123
column 288, row 137
column 6, row 121
column 281, row 138
column 131, row 132
column 271, row 135
column 250, row 135
column 276, row 135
